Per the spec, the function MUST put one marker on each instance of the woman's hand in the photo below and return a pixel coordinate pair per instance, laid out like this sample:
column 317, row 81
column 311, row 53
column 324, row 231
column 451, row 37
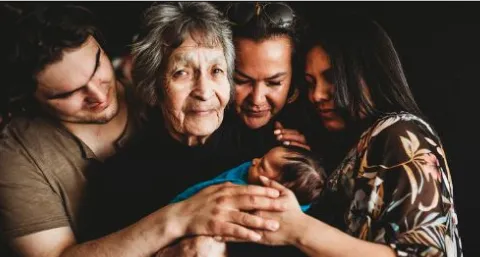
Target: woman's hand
column 222, row 210
column 290, row 136
column 291, row 219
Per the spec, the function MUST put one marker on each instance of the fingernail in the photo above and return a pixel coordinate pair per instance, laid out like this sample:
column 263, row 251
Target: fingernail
column 277, row 131
column 256, row 237
column 279, row 137
column 272, row 225
column 264, row 179
column 286, row 142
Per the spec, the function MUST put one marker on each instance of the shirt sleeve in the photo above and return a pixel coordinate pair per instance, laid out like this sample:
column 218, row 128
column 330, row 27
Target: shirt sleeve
column 404, row 185
column 28, row 203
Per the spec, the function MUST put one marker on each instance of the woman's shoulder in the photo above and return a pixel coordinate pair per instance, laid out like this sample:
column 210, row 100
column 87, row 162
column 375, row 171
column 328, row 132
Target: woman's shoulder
column 400, row 122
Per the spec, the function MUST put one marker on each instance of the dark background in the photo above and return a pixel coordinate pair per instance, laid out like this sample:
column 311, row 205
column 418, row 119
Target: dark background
column 439, row 45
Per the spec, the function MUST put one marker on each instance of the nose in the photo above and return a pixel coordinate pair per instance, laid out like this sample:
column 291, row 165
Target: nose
column 258, row 94
column 95, row 92
column 203, row 89
column 322, row 92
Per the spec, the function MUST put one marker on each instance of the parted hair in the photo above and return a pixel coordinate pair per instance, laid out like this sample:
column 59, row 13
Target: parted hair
column 164, row 28
column 303, row 173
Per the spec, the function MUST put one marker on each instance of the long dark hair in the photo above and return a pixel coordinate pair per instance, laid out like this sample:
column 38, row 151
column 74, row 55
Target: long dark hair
column 362, row 55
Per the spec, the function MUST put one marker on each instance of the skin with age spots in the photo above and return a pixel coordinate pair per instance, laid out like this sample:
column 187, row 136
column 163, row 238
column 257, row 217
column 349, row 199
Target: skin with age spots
column 197, row 91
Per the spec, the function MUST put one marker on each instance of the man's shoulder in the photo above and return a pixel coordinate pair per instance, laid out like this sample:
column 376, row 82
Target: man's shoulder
column 27, row 130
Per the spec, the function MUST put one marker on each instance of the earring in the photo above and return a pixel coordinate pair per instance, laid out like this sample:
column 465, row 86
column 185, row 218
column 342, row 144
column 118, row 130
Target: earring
column 294, row 96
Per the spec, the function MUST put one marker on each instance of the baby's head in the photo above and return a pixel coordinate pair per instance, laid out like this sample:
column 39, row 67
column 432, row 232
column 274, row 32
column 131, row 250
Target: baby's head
column 294, row 167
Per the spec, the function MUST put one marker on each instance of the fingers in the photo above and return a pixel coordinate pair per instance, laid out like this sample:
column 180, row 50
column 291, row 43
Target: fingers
column 296, row 144
column 250, row 190
column 272, row 183
column 291, row 137
column 230, row 230
column 252, row 221
column 229, row 239
column 249, row 202
column 278, row 125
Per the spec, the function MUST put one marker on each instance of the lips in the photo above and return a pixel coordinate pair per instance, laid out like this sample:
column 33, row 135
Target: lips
column 326, row 113
column 255, row 112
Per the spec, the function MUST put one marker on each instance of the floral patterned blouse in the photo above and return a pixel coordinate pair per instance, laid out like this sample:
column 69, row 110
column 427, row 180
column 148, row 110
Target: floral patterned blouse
column 397, row 189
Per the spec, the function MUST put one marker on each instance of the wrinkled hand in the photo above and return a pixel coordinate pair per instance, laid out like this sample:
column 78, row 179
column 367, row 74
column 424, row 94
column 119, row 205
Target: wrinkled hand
column 198, row 246
column 222, row 210
column 290, row 136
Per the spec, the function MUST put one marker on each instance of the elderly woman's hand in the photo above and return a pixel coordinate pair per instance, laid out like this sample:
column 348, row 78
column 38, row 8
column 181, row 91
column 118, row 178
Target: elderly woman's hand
column 290, row 136
column 222, row 210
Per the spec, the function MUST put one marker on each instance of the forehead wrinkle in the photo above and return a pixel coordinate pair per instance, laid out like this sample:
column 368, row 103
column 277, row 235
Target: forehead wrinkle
column 193, row 58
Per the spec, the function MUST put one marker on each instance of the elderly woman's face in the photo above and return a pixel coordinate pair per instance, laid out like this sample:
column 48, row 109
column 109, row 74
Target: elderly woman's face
column 263, row 73
column 196, row 89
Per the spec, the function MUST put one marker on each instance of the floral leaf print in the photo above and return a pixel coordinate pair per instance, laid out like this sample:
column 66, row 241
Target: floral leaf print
column 430, row 141
column 384, row 124
column 413, row 183
column 410, row 144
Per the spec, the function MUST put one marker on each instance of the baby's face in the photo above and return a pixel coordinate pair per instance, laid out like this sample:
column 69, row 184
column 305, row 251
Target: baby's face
column 268, row 165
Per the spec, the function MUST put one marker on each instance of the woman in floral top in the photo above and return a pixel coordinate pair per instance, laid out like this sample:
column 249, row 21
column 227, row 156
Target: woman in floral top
column 392, row 194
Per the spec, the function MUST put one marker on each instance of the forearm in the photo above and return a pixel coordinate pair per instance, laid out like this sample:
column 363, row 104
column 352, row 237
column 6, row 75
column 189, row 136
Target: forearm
column 319, row 239
column 143, row 238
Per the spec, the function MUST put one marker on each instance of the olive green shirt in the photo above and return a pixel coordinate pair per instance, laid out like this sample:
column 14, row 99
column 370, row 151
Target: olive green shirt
column 44, row 173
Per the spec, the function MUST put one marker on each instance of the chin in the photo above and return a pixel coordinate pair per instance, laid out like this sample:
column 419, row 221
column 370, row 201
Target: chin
column 334, row 125
column 255, row 123
column 202, row 128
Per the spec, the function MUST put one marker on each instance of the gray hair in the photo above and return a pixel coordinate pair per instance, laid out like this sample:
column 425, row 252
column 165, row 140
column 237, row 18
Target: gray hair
column 164, row 28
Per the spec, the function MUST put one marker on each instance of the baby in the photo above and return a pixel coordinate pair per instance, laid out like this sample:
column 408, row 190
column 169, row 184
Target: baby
column 294, row 167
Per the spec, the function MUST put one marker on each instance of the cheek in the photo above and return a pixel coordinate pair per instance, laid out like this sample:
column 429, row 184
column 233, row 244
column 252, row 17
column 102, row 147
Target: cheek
column 241, row 93
column 223, row 92
column 278, row 97
column 70, row 105
column 175, row 96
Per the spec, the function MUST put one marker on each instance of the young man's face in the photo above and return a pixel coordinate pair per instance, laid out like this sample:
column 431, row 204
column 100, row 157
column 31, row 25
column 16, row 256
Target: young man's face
column 269, row 165
column 81, row 87
column 196, row 89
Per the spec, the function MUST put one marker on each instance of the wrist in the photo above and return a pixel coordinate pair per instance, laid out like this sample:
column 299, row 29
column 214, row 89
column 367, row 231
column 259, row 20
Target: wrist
column 298, row 237
column 175, row 224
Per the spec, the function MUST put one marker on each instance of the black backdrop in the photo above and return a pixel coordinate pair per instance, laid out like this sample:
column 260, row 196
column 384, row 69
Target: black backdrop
column 439, row 45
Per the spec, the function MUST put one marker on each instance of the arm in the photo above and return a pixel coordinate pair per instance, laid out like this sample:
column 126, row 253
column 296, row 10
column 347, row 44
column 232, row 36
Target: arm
column 216, row 210
column 311, row 236
column 402, row 201
column 140, row 239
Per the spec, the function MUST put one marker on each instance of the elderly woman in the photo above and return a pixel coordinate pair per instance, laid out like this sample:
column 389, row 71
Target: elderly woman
column 183, row 64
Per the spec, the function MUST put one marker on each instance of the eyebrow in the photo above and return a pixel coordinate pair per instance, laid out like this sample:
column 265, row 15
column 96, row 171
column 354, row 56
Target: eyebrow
column 64, row 94
column 182, row 59
column 275, row 76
